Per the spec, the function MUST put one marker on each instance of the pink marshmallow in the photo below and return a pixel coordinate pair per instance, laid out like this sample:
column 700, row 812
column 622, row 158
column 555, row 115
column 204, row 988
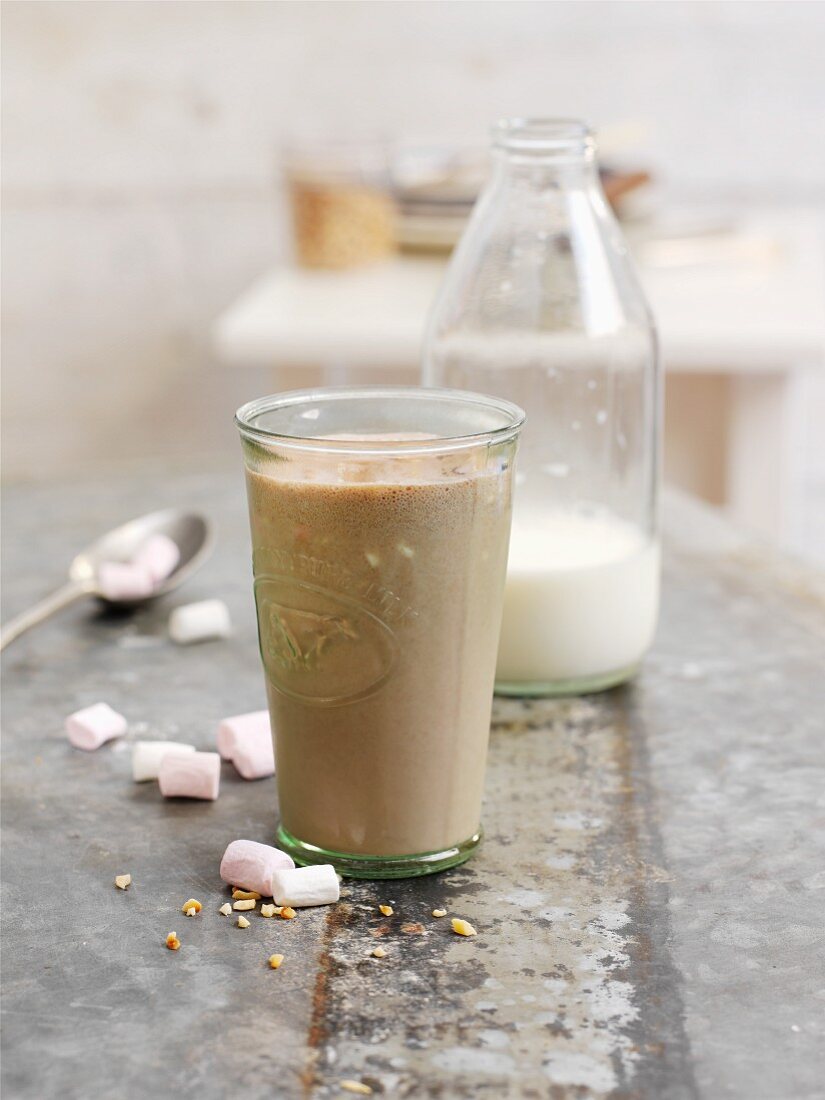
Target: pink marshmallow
column 119, row 580
column 254, row 755
column 159, row 556
column 250, row 865
column 190, row 775
column 233, row 732
column 89, row 728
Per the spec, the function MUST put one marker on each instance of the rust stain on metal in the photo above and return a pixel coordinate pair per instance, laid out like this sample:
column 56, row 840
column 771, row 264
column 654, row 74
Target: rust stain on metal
column 650, row 966
column 317, row 1031
column 627, row 793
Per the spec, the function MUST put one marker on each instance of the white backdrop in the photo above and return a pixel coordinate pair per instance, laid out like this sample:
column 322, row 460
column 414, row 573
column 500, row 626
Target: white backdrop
column 138, row 165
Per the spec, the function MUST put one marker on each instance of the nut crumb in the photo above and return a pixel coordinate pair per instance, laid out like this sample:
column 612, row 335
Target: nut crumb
column 250, row 904
column 275, row 961
column 387, row 910
column 245, row 895
column 356, row 1086
column 287, row 913
column 463, row 927
column 172, row 941
column 439, row 912
column 225, row 909
column 379, row 953
column 192, row 904
column 243, row 922
column 123, row 881
column 270, row 910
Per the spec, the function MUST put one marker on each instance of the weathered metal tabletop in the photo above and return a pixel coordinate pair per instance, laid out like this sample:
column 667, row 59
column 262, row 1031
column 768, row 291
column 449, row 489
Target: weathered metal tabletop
column 650, row 899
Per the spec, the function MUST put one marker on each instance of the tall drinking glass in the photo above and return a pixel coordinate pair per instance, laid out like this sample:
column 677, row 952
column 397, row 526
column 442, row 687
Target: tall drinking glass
column 380, row 524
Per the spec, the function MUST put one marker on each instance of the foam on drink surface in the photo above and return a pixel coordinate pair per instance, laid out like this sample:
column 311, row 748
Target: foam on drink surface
column 581, row 598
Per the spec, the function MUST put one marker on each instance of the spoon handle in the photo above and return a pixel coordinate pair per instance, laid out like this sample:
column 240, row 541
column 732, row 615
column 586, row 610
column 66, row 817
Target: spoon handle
column 42, row 610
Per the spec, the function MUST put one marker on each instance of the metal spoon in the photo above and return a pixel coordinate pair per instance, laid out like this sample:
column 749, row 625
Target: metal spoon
column 192, row 533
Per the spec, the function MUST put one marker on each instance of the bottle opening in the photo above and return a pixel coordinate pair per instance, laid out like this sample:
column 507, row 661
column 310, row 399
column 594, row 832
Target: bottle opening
column 543, row 136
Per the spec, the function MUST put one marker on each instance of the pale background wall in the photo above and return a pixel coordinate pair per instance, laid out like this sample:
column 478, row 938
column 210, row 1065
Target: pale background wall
column 139, row 184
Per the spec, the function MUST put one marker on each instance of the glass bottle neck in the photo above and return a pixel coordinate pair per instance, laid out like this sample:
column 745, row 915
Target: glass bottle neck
column 555, row 152
column 568, row 171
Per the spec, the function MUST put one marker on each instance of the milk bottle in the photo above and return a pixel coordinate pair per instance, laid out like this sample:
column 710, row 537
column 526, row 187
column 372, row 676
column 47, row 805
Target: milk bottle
column 541, row 305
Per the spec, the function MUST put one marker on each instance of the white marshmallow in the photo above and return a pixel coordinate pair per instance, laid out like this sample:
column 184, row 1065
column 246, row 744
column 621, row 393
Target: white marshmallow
column 306, row 886
column 197, row 622
column 159, row 556
column 246, row 740
column 119, row 580
column 250, row 865
column 190, row 775
column 147, row 755
column 89, row 728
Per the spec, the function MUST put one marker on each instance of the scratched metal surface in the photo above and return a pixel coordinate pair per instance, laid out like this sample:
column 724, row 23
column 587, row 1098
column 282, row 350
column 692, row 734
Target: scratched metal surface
column 649, row 899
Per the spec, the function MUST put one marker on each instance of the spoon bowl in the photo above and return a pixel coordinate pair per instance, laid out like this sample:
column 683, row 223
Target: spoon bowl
column 190, row 531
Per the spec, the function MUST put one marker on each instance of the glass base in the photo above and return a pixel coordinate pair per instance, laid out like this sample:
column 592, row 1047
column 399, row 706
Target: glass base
column 582, row 686
column 377, row 867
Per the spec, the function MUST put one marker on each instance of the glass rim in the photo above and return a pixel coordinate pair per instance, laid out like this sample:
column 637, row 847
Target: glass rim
column 542, row 135
column 514, row 419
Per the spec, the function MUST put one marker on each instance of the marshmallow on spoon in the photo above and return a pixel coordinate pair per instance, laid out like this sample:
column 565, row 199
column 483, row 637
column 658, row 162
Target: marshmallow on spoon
column 190, row 775
column 199, row 622
column 89, row 728
column 147, row 757
column 306, row 886
column 118, row 580
column 250, row 865
column 159, row 556
column 246, row 740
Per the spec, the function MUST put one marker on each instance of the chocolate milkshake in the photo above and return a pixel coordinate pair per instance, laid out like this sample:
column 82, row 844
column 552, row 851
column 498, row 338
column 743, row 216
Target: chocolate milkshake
column 378, row 585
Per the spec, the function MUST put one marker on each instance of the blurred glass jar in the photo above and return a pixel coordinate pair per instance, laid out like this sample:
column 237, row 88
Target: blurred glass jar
column 541, row 305
column 340, row 195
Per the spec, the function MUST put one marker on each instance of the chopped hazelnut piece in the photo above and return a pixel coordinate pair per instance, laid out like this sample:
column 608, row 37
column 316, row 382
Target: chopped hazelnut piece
column 243, row 922
column 193, row 903
column 244, row 904
column 225, row 909
column 439, row 912
column 379, row 952
column 275, row 961
column 270, row 910
column 172, row 941
column 287, row 913
column 122, row 881
column 356, row 1086
column 387, row 910
column 463, row 927
column 245, row 895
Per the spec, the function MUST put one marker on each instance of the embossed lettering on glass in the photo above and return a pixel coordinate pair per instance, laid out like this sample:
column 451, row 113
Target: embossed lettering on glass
column 380, row 522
